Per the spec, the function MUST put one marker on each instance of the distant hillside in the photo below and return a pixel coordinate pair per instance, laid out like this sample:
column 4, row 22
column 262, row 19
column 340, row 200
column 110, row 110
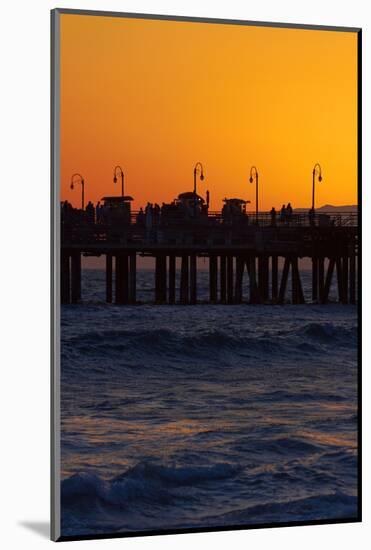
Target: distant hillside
column 331, row 208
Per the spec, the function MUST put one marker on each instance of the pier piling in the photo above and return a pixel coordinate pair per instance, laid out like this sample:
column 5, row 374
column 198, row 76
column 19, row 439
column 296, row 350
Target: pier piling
column 314, row 279
column 213, row 278
column 122, row 279
column 118, row 280
column 193, row 278
column 328, row 281
column 352, row 278
column 125, row 278
column 223, row 279
column 65, row 278
column 240, row 265
column 184, row 280
column 297, row 290
column 172, row 277
column 339, row 277
column 133, row 279
column 263, row 277
column 321, row 277
column 75, row 277
column 160, row 279
column 254, row 292
column 109, row 278
column 284, row 278
column 230, row 279
column 274, row 278
column 345, row 266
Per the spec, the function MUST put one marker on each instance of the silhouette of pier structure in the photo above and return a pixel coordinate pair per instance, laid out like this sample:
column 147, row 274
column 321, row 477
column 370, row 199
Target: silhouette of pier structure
column 261, row 249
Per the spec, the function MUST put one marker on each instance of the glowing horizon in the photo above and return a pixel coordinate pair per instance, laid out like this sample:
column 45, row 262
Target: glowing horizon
column 157, row 96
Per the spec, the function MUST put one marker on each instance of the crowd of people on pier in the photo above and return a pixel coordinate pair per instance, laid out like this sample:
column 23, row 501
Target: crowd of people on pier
column 153, row 214
column 149, row 216
column 285, row 215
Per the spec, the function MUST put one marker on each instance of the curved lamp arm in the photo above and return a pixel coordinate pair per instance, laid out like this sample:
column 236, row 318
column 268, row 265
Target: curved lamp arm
column 81, row 181
column 317, row 170
column 121, row 173
column 254, row 174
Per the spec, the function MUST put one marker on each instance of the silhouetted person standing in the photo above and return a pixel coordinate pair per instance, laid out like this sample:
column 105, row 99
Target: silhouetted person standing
column 156, row 214
column 90, row 212
column 148, row 216
column 289, row 213
column 141, row 217
column 273, row 216
column 103, row 213
column 283, row 213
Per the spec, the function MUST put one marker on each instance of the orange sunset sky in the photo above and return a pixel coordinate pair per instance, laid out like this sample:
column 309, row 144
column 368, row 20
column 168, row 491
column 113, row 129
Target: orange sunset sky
column 158, row 96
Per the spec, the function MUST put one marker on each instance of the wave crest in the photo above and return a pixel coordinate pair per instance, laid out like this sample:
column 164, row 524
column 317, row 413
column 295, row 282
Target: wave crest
column 144, row 481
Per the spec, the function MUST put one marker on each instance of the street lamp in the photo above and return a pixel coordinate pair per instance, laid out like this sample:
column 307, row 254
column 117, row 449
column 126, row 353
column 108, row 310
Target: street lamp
column 82, row 183
column 316, row 170
column 254, row 174
column 118, row 168
column 198, row 169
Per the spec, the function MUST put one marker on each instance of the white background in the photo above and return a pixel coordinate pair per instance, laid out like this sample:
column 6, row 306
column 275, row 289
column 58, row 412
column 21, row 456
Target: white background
column 24, row 272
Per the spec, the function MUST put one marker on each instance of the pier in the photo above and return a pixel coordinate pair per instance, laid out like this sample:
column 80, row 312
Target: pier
column 262, row 251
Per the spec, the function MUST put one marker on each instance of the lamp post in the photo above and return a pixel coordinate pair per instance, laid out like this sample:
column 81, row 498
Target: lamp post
column 254, row 174
column 121, row 172
column 82, row 183
column 198, row 169
column 316, row 171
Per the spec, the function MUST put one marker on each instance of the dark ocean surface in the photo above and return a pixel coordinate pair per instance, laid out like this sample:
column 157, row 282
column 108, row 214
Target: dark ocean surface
column 204, row 416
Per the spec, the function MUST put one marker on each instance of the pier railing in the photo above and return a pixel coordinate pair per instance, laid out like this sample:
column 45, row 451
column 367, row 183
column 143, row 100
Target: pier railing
column 212, row 227
column 299, row 219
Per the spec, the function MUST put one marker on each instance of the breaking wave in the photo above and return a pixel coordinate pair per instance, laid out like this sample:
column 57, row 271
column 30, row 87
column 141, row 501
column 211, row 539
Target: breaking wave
column 164, row 342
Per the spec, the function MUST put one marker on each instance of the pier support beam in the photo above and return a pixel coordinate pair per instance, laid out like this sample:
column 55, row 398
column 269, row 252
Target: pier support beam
column 125, row 278
column 274, row 278
column 172, row 274
column 65, row 278
column 339, row 277
column 297, row 290
column 223, row 279
column 260, row 276
column 263, row 277
column 254, row 292
column 240, row 265
column 75, row 277
column 193, row 278
column 160, row 279
column 285, row 275
column 352, row 278
column 213, row 278
column 109, row 278
column 118, row 282
column 345, row 265
column 230, row 279
column 122, row 279
column 330, row 271
column 321, row 277
column 314, row 279
column 184, row 280
column 133, row 278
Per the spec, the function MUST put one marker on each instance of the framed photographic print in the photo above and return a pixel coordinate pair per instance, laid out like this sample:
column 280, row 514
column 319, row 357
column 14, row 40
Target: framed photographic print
column 206, row 261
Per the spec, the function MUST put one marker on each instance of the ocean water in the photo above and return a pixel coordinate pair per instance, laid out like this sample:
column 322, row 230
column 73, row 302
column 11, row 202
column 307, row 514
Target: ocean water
column 204, row 416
